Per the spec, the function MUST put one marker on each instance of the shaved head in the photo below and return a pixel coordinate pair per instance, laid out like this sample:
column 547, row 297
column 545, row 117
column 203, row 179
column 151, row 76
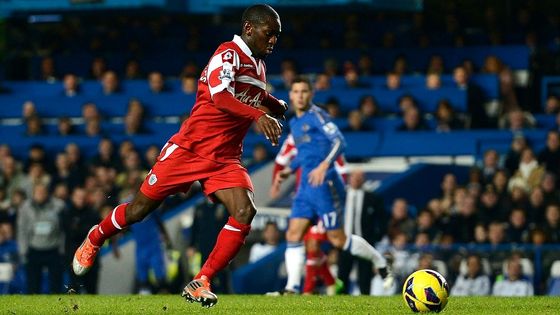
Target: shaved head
column 258, row 14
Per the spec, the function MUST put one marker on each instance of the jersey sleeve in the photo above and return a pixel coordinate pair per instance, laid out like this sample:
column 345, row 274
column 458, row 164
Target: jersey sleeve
column 331, row 131
column 221, row 84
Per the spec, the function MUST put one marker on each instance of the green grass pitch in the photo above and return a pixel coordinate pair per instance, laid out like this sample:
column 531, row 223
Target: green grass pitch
column 253, row 304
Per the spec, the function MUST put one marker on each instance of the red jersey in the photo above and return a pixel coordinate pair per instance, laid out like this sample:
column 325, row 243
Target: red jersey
column 216, row 128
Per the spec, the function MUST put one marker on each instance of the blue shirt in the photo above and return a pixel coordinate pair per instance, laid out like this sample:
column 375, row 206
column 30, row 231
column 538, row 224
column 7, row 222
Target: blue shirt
column 317, row 139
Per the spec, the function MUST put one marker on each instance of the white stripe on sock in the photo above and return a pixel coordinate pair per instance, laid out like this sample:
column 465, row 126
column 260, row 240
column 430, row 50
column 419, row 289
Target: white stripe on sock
column 231, row 228
column 114, row 220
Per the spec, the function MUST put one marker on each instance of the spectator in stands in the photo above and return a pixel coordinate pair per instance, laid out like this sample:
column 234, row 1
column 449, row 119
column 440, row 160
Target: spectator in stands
column 77, row 219
column 475, row 99
column 40, row 239
column 333, row 107
column 352, row 78
column 412, row 121
column 490, row 209
column 448, row 187
column 133, row 124
column 513, row 283
column 98, row 68
column 365, row 65
column 433, row 81
column 48, row 71
column 156, row 81
column 400, row 65
column 126, row 147
column 474, row 282
column 106, row 155
column 518, row 144
column 462, row 223
column 35, row 176
column 480, row 234
column 496, row 233
column 551, row 226
column 445, row 117
column 425, row 225
column 536, row 207
column 189, row 83
column 356, row 122
column 93, row 128
column 393, row 81
column 552, row 105
column 90, row 112
column 435, row 64
column 34, row 126
column 28, row 110
column 71, row 85
column 8, row 252
column 110, row 83
column 517, row 230
column 270, row 238
column 400, row 220
column 529, row 174
column 132, row 70
column 150, row 156
column 11, row 176
column 368, row 107
column 37, row 154
column 61, row 191
column 490, row 165
column 288, row 74
column 548, row 185
column 64, row 173
column 330, row 67
column 508, row 93
column 549, row 157
column 517, row 120
column 75, row 158
column 131, row 163
column 322, row 82
column 407, row 101
column 65, row 127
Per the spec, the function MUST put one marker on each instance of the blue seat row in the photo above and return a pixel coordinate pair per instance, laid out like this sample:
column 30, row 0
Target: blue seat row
column 167, row 104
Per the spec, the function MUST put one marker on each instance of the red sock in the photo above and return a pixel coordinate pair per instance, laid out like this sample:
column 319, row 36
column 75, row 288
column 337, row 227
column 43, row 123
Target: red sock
column 310, row 277
column 229, row 242
column 325, row 273
column 113, row 223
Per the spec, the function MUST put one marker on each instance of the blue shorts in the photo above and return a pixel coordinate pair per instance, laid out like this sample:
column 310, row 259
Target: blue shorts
column 325, row 201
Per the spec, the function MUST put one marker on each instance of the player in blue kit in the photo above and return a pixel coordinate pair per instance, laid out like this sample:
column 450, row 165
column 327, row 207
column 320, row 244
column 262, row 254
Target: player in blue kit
column 321, row 190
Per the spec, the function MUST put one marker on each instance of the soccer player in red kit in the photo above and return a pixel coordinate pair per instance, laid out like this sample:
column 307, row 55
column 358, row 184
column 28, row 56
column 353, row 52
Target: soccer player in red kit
column 231, row 96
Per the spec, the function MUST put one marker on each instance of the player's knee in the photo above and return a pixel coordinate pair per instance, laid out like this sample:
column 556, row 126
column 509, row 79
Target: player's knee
column 137, row 211
column 245, row 214
column 293, row 235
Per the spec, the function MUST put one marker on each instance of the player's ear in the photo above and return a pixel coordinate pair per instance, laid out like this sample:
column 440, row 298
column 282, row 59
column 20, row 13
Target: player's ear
column 247, row 28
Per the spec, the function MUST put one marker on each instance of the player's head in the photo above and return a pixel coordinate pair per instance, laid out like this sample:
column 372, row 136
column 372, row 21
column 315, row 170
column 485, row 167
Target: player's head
column 301, row 93
column 260, row 29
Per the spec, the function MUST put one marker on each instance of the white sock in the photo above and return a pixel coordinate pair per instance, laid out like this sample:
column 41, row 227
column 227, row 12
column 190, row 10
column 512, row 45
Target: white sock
column 359, row 247
column 295, row 260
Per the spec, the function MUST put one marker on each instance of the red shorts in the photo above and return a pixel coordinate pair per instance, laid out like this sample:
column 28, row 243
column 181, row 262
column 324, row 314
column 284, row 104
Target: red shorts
column 177, row 168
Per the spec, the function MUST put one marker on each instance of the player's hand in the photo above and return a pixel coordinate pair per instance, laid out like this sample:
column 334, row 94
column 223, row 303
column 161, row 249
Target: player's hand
column 317, row 176
column 271, row 128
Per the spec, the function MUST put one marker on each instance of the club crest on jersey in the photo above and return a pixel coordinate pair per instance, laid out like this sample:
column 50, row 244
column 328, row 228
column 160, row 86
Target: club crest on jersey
column 152, row 180
column 305, row 127
column 225, row 74
column 244, row 97
column 227, row 57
